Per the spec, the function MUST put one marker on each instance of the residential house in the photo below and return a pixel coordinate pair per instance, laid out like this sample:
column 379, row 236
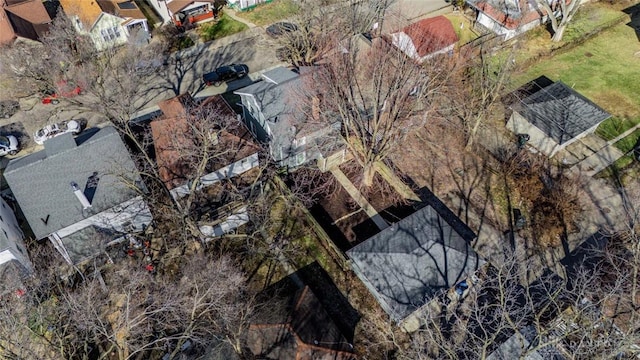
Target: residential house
column 22, row 18
column 554, row 117
column 185, row 12
column 108, row 23
column 14, row 259
column 82, row 193
column 415, row 260
column 175, row 145
column 426, row 38
column 508, row 18
column 298, row 328
column 273, row 112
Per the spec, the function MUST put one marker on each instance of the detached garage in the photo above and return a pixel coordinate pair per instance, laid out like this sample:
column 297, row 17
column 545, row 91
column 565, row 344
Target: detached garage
column 554, row 117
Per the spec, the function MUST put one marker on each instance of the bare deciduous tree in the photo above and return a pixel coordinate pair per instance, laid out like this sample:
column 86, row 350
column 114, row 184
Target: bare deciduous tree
column 560, row 13
column 477, row 89
column 378, row 94
column 321, row 28
column 549, row 315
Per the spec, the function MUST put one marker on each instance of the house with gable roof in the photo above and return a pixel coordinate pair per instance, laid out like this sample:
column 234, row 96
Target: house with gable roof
column 22, row 19
column 185, row 12
column 272, row 111
column 426, row 38
column 416, row 260
column 554, row 116
column 173, row 142
column 509, row 18
column 108, row 23
column 82, row 194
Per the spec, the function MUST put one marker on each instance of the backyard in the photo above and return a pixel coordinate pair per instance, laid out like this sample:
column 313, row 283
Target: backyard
column 604, row 69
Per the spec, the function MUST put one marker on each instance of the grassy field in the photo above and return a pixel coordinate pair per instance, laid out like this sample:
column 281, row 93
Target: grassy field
column 225, row 26
column 266, row 14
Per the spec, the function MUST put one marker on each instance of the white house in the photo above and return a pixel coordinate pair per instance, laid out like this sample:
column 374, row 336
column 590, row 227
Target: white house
column 108, row 22
column 509, row 18
column 80, row 193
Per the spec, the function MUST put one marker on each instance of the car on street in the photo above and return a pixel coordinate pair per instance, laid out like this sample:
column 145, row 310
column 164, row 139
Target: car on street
column 8, row 108
column 280, row 28
column 8, row 145
column 225, row 73
column 53, row 130
column 53, row 96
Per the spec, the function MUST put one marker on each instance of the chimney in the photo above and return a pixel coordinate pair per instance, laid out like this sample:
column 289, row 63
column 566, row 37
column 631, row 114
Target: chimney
column 80, row 195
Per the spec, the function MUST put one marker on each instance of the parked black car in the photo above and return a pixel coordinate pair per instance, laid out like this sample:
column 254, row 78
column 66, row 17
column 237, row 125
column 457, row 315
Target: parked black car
column 225, row 73
column 280, row 28
column 8, row 108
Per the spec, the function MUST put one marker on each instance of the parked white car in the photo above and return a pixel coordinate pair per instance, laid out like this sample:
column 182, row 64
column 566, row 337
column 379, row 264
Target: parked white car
column 8, row 145
column 53, row 130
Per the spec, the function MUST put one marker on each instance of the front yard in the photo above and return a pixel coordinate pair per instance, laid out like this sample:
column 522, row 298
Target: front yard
column 222, row 27
column 265, row 14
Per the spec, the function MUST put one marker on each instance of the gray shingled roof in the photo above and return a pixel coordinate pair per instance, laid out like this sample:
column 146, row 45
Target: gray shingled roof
column 411, row 262
column 278, row 103
column 41, row 181
column 561, row 112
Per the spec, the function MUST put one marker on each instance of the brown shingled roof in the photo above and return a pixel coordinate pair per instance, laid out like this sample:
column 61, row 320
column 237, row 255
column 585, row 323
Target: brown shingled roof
column 171, row 138
column 177, row 5
column 431, row 34
column 32, row 11
column 87, row 10
column 122, row 8
column 307, row 334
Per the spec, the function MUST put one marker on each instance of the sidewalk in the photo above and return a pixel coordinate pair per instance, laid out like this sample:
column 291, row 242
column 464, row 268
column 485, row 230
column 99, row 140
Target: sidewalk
column 233, row 14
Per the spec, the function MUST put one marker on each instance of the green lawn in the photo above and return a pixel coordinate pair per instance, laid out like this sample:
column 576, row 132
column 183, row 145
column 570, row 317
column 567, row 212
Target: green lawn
column 225, row 26
column 590, row 17
column 266, row 14
column 613, row 127
column 629, row 142
column 463, row 27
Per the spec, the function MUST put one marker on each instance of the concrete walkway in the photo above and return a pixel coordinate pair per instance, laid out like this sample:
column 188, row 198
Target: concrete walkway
column 233, row 14
column 359, row 199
